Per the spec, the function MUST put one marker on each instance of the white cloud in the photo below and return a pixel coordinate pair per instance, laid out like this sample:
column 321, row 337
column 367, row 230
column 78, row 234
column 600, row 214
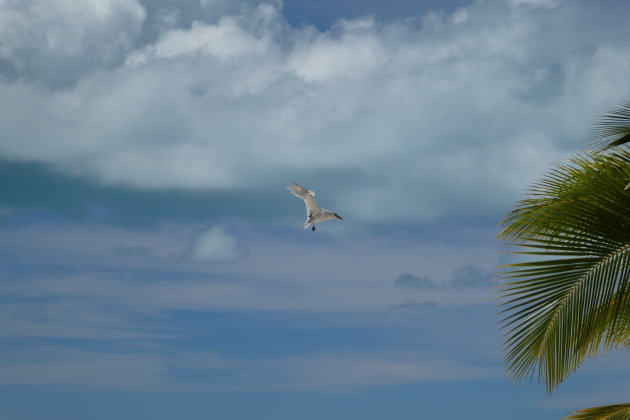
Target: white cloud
column 461, row 15
column 217, row 245
column 418, row 116
column 226, row 41
column 55, row 41
column 353, row 54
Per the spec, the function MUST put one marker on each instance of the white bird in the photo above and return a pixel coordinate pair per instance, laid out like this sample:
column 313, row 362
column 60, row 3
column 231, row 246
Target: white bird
column 314, row 213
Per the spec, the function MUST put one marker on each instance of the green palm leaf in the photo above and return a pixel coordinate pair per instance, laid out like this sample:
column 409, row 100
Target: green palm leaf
column 608, row 412
column 613, row 129
column 573, row 299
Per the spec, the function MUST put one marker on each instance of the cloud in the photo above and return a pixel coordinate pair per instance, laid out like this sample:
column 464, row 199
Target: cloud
column 143, row 368
column 217, row 245
column 226, row 41
column 343, row 373
column 409, row 281
column 471, row 276
column 536, row 3
column 219, row 8
column 352, row 50
column 418, row 115
column 412, row 304
column 131, row 251
column 178, row 267
column 467, row 276
column 81, row 368
column 137, row 305
column 29, row 186
column 57, row 42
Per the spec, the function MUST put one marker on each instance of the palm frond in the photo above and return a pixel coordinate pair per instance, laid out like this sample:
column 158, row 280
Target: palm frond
column 573, row 299
column 613, row 129
column 608, row 412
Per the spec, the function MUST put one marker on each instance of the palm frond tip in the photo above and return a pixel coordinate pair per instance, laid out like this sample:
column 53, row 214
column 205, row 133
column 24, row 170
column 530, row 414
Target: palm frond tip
column 608, row 412
column 613, row 129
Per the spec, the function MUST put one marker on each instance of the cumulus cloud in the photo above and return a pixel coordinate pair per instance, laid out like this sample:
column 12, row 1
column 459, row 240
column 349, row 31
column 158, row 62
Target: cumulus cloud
column 226, row 41
column 55, row 42
column 419, row 115
column 351, row 50
column 217, row 245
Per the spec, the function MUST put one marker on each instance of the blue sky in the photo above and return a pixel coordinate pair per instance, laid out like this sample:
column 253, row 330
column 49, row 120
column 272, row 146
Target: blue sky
column 154, row 265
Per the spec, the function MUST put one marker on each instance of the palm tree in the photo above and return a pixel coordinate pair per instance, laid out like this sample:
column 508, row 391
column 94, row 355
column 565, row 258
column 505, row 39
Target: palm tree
column 570, row 298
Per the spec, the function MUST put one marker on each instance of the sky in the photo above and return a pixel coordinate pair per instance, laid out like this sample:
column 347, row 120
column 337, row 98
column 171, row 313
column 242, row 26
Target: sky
column 154, row 266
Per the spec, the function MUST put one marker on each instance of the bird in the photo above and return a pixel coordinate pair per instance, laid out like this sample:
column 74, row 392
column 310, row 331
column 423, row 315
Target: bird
column 314, row 213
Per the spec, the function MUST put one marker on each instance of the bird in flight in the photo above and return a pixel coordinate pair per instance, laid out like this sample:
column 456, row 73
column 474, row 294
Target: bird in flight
column 314, row 213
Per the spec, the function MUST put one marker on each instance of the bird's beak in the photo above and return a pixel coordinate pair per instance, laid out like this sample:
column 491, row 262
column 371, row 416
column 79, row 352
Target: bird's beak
column 339, row 217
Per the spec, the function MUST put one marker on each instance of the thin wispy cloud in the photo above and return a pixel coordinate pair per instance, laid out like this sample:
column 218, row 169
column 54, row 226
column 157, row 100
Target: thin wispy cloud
column 155, row 370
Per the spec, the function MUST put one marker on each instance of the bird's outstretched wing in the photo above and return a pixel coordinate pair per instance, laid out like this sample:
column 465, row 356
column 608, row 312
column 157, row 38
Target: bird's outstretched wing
column 308, row 197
